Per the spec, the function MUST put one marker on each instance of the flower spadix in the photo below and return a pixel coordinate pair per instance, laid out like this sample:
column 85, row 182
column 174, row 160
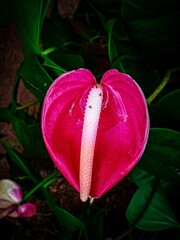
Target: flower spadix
column 95, row 133
column 88, row 140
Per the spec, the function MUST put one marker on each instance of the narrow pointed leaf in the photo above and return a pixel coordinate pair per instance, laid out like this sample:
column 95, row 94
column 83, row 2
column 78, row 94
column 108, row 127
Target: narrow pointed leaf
column 29, row 16
column 34, row 77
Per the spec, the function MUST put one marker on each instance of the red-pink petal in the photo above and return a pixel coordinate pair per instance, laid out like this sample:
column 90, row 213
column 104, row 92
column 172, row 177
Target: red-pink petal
column 119, row 147
column 62, row 119
column 122, row 133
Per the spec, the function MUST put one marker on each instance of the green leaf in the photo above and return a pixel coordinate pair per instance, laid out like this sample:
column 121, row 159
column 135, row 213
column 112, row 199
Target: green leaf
column 162, row 155
column 30, row 15
column 157, row 38
column 34, row 77
column 152, row 28
column 68, row 221
column 68, row 60
column 45, row 182
column 29, row 136
column 17, row 159
column 139, row 176
column 49, row 64
column 166, row 112
column 125, row 58
column 93, row 218
column 149, row 209
column 169, row 105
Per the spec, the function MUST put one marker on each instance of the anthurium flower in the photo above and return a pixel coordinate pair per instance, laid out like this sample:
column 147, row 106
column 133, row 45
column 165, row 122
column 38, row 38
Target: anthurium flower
column 10, row 198
column 94, row 132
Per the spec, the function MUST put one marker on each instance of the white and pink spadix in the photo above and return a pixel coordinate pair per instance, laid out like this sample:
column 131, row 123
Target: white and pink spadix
column 95, row 133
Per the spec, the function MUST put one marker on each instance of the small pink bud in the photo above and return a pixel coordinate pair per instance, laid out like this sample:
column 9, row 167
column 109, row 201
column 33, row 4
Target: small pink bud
column 26, row 210
column 10, row 197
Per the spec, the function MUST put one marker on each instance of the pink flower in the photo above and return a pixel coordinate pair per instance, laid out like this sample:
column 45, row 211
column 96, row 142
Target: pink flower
column 95, row 132
column 10, row 198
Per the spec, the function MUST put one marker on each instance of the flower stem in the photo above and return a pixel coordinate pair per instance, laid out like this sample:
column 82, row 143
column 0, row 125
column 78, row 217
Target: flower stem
column 49, row 50
column 27, row 104
column 45, row 182
column 160, row 87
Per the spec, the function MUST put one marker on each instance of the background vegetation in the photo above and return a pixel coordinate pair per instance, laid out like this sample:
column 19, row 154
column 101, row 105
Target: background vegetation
column 140, row 38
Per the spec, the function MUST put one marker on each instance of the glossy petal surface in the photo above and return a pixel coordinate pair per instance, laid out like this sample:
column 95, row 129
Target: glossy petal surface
column 122, row 132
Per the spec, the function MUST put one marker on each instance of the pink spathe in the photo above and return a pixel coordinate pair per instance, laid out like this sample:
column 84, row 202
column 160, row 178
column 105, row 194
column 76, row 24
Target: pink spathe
column 121, row 133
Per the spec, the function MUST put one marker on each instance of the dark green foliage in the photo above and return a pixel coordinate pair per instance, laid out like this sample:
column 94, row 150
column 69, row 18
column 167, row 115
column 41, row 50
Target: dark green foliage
column 140, row 38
